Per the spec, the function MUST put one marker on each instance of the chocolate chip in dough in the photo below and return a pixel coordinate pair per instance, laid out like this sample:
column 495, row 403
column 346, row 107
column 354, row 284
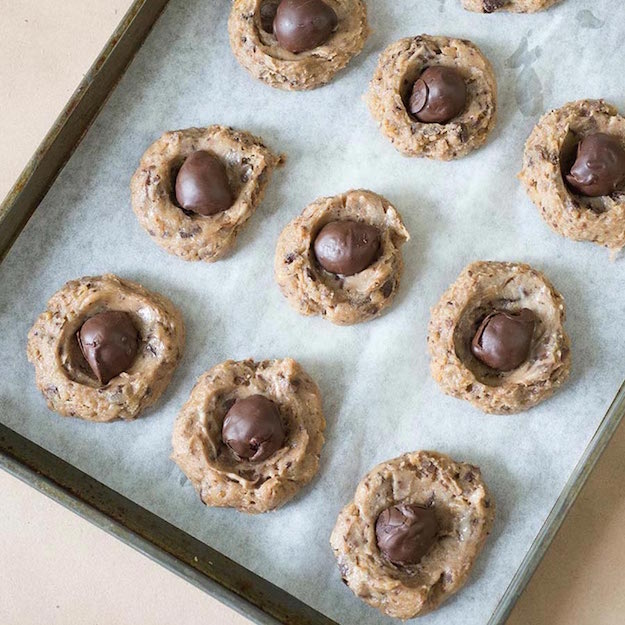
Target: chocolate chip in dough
column 202, row 185
column 268, row 11
column 253, row 428
column 599, row 167
column 302, row 25
column 438, row 95
column 347, row 247
column 406, row 532
column 503, row 340
column 109, row 342
column 493, row 5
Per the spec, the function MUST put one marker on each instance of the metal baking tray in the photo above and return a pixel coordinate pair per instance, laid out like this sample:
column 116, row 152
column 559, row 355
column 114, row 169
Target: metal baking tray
column 195, row 561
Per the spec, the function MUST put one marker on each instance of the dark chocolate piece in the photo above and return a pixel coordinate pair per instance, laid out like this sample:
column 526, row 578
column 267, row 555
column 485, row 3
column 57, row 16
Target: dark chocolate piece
column 109, row 342
column 493, row 5
column 503, row 340
column 347, row 247
column 599, row 167
column 438, row 95
column 406, row 532
column 202, row 185
column 302, row 25
column 253, row 428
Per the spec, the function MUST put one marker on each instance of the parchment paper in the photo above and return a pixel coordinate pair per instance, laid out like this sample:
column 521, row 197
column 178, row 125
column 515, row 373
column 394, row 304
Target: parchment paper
column 378, row 396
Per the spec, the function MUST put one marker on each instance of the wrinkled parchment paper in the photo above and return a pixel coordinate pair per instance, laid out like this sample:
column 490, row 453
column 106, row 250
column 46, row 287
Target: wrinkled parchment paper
column 378, row 396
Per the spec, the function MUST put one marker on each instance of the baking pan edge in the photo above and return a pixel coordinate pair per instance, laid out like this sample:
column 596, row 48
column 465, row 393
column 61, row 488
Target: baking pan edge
column 21, row 202
column 565, row 501
column 75, row 119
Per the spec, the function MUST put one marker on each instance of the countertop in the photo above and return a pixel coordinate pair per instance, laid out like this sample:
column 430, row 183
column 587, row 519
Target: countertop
column 58, row 568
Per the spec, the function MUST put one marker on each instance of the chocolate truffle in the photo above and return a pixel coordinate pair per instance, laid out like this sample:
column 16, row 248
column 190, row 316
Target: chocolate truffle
column 109, row 342
column 438, row 95
column 202, row 185
column 599, row 167
column 253, row 428
column 302, row 25
column 405, row 533
column 503, row 340
column 347, row 247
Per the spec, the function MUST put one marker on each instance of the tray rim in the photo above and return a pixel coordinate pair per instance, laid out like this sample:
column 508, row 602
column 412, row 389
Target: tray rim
column 232, row 584
column 16, row 209
column 190, row 558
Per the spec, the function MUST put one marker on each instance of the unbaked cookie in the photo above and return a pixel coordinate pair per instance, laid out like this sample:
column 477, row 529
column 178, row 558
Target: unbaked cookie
column 410, row 537
column 250, row 435
column 257, row 48
column 496, row 338
column 88, row 361
column 358, row 237
column 221, row 187
column 550, row 153
column 434, row 96
column 515, row 6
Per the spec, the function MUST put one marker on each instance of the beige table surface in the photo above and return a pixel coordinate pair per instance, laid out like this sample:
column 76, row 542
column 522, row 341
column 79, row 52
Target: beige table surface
column 56, row 568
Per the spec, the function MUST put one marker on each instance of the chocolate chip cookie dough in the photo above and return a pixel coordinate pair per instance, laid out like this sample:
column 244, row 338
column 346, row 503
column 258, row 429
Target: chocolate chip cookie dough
column 515, row 6
column 195, row 188
column 574, row 172
column 105, row 348
column 341, row 258
column 496, row 338
column 297, row 44
column 250, row 435
column 416, row 525
column 434, row 97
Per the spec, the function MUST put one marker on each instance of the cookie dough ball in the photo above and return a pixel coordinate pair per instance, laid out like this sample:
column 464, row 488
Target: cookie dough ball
column 341, row 258
column 515, row 6
column 250, row 435
column 408, row 540
column 496, row 338
column 434, row 97
column 105, row 348
column 195, row 189
column 297, row 44
column 574, row 172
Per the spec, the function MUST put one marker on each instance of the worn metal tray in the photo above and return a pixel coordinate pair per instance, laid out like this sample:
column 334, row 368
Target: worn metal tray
column 190, row 558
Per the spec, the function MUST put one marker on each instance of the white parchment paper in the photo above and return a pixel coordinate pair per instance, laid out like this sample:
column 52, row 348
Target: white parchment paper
column 378, row 396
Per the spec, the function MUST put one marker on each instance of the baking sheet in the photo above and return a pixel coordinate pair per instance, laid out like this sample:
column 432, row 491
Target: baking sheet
column 378, row 397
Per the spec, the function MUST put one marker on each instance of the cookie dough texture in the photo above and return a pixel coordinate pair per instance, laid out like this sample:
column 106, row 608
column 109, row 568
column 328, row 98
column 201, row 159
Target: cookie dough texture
column 464, row 510
column 480, row 288
column 249, row 165
column 64, row 377
column 398, row 68
column 261, row 55
column 344, row 300
column 600, row 220
column 514, row 6
column 220, row 478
